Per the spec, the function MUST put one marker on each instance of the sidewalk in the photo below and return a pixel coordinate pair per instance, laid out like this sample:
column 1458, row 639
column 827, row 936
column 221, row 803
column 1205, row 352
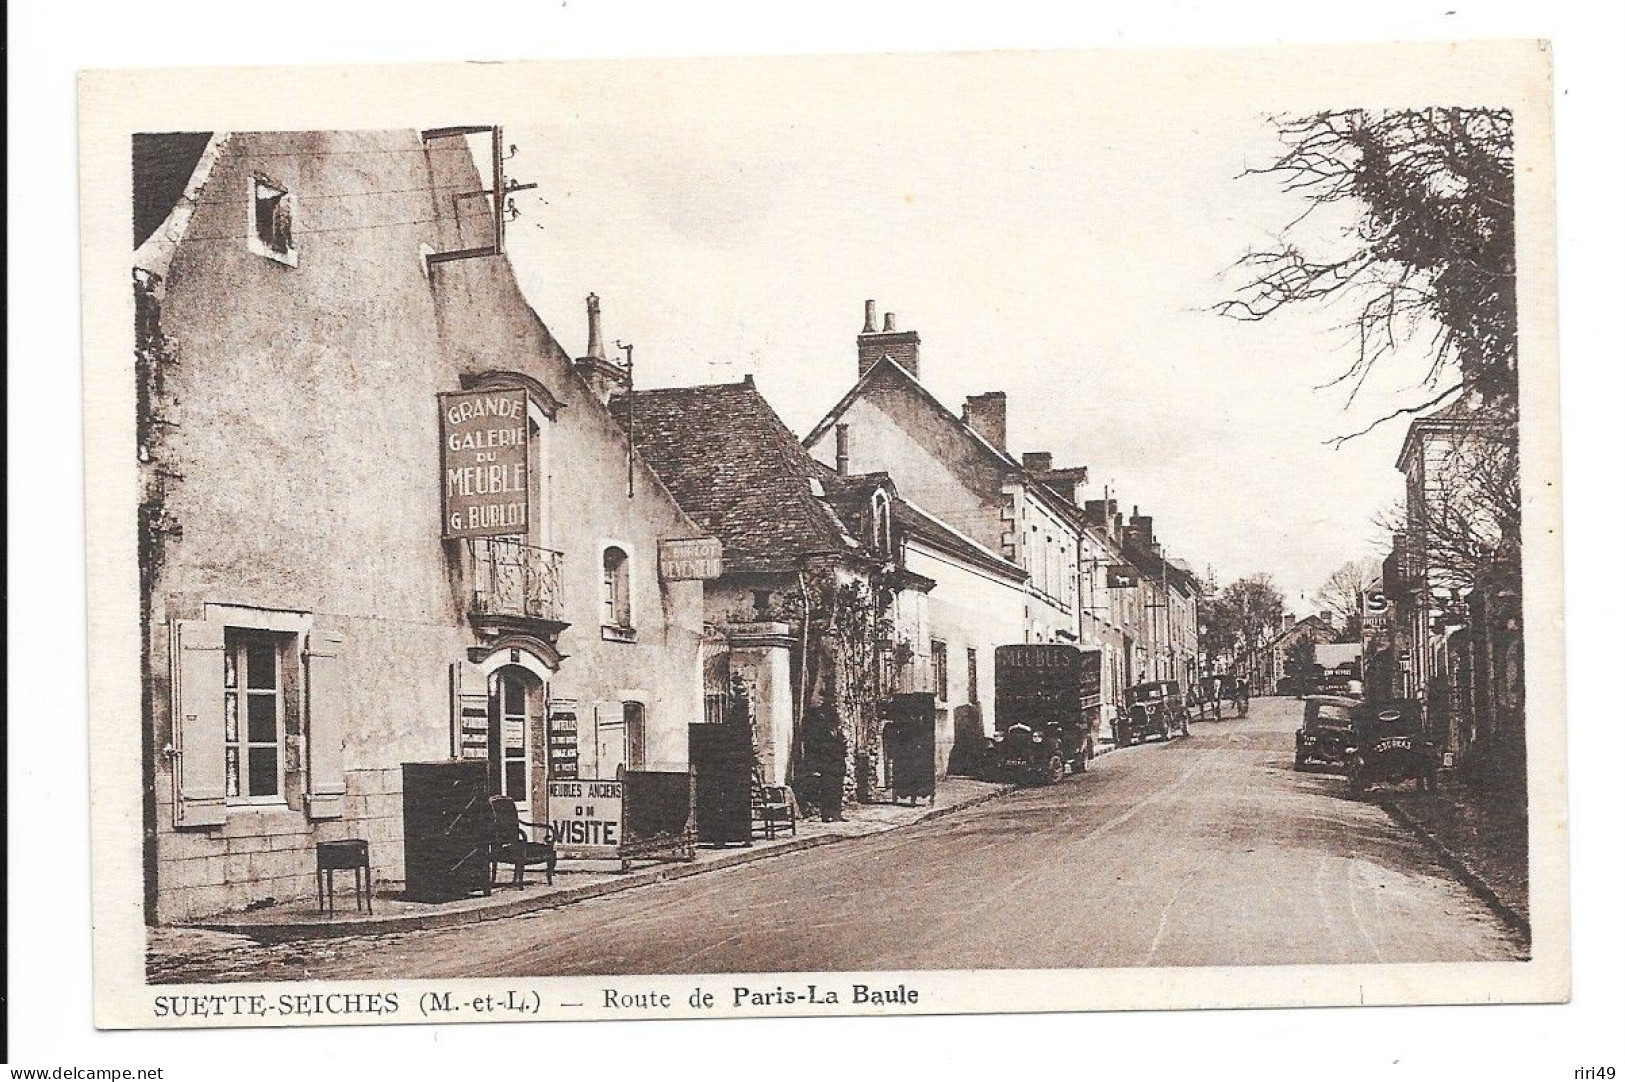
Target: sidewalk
column 1483, row 839
column 574, row 881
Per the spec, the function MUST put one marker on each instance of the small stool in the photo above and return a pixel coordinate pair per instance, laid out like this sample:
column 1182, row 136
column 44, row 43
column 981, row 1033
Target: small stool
column 338, row 855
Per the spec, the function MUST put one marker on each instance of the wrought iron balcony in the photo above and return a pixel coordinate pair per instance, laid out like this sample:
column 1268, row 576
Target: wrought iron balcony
column 514, row 582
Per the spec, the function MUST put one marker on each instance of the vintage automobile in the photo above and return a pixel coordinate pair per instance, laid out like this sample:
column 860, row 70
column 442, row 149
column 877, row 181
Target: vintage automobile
column 1155, row 708
column 1389, row 746
column 1327, row 731
column 1038, row 753
column 1049, row 710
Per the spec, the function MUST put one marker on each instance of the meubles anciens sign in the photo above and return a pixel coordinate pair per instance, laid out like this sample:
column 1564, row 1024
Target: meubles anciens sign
column 484, row 449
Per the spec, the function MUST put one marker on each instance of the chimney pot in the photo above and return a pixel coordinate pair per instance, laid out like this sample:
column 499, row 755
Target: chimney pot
column 903, row 347
column 595, row 336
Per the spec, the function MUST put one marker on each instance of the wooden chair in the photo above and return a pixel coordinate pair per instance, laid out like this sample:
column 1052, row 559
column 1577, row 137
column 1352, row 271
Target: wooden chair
column 511, row 845
column 770, row 807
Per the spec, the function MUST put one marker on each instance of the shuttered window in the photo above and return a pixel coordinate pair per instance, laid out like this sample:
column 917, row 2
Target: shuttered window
column 253, row 705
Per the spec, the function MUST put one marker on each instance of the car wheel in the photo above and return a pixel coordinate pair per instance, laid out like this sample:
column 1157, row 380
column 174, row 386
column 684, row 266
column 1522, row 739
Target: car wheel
column 1299, row 763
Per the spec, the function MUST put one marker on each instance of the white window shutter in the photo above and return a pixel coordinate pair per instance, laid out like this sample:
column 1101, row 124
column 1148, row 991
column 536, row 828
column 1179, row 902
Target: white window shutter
column 470, row 711
column 198, row 655
column 327, row 712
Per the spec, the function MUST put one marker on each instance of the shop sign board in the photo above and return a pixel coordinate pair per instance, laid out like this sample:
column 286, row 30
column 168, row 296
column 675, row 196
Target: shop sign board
column 688, row 559
column 484, row 452
column 585, row 815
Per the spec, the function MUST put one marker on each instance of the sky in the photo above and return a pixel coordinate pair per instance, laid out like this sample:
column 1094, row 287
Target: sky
column 1055, row 229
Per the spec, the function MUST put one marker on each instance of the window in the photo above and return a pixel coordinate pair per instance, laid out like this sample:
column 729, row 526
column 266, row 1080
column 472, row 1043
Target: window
column 632, row 713
column 972, row 688
column 255, row 690
column 271, row 224
column 881, row 513
column 617, row 589
column 939, row 669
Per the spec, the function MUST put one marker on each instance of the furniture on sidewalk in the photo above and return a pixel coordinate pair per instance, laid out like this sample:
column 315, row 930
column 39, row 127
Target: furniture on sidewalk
column 510, row 844
column 447, row 829
column 771, row 806
column 722, row 758
column 342, row 854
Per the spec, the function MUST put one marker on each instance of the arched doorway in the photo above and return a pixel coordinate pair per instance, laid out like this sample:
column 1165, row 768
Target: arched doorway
column 504, row 695
column 518, row 712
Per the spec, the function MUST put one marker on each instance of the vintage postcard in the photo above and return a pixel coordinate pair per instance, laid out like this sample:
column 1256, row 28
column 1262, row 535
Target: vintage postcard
column 824, row 535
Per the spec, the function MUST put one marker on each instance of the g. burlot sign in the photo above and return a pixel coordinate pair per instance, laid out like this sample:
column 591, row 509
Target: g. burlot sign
column 690, row 558
column 484, row 448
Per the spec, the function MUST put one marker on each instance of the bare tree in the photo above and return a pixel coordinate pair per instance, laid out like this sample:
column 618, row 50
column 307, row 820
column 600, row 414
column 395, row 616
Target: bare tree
column 1343, row 594
column 1430, row 248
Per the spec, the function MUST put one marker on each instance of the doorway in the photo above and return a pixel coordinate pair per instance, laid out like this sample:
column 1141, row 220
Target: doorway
column 518, row 705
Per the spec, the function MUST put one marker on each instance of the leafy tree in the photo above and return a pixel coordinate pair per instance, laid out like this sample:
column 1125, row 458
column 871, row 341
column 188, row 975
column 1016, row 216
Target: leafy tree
column 1243, row 616
column 1300, row 657
column 1430, row 246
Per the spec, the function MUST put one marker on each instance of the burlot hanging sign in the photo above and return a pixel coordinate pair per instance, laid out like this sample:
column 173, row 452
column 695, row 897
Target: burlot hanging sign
column 484, row 451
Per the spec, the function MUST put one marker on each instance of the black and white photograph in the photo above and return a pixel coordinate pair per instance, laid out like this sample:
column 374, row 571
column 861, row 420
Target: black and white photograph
column 825, row 535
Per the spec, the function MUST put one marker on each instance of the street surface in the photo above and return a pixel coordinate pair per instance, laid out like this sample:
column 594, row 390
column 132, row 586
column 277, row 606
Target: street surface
column 1205, row 851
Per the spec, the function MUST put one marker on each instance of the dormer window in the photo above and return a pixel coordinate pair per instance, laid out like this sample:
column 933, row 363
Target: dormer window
column 271, row 211
column 881, row 514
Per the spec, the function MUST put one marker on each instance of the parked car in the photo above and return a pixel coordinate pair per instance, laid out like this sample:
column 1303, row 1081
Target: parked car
column 1049, row 709
column 1391, row 747
column 1327, row 731
column 1155, row 708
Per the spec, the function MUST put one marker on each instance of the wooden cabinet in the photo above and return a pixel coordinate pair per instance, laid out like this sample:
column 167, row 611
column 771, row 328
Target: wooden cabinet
column 447, row 829
column 722, row 759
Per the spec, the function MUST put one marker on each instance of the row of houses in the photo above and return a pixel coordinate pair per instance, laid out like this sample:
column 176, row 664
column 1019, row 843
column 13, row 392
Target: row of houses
column 387, row 517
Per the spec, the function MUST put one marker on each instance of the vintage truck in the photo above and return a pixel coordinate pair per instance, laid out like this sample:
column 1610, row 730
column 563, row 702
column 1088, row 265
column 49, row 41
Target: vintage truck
column 1048, row 703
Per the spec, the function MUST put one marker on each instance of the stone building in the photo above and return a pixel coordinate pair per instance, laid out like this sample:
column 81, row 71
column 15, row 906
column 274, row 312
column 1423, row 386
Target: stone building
column 1454, row 580
column 956, row 467
column 792, row 528
column 384, row 517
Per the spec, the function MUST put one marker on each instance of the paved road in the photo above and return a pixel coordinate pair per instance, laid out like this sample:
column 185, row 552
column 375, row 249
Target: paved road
column 1204, row 851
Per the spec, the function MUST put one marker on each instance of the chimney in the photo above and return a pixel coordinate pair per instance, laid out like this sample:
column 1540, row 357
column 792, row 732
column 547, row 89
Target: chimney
column 901, row 346
column 595, row 334
column 1038, row 461
column 1139, row 528
column 985, row 414
column 603, row 376
column 843, row 446
column 1326, row 615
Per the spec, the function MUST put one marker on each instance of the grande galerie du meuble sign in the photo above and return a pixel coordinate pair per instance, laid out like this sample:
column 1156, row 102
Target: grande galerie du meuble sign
column 484, row 448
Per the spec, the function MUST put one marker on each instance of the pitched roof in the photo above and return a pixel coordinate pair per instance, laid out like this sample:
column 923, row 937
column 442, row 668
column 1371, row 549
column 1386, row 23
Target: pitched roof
column 850, row 495
column 886, row 366
column 1006, row 461
column 1308, row 623
column 734, row 466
